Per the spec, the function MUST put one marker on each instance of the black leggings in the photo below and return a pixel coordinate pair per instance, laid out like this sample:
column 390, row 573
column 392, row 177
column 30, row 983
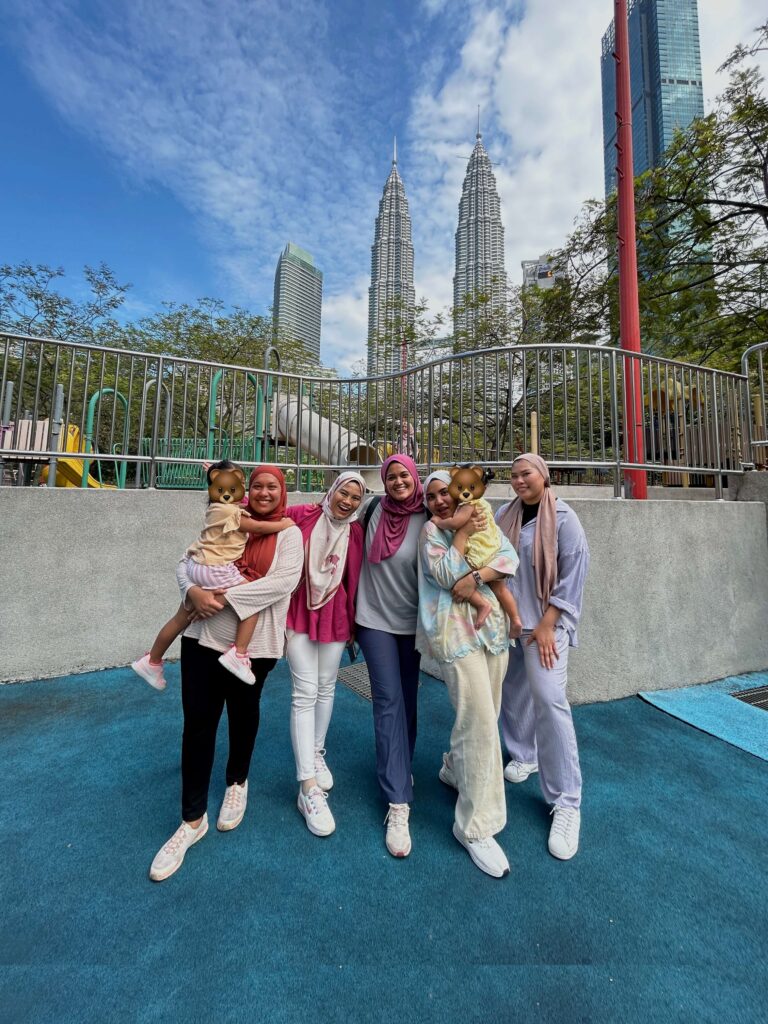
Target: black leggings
column 205, row 687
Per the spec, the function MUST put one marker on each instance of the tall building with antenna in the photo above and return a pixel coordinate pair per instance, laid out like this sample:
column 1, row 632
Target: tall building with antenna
column 391, row 296
column 479, row 248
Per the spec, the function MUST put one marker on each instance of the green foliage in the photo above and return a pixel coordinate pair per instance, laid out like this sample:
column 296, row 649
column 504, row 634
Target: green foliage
column 702, row 239
column 30, row 304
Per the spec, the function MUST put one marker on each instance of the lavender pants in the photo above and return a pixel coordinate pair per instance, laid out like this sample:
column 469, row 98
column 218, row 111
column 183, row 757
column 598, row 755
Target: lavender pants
column 536, row 720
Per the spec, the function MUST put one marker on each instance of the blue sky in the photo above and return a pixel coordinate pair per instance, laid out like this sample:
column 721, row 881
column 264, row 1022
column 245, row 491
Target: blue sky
column 184, row 143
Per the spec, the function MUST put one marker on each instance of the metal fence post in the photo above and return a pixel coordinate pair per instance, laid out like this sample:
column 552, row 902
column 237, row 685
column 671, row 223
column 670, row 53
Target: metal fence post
column 615, row 426
column 155, row 426
column 56, row 419
column 5, row 421
column 718, row 453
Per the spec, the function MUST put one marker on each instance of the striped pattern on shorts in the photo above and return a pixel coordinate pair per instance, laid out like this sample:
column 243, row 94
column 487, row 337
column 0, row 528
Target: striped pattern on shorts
column 213, row 577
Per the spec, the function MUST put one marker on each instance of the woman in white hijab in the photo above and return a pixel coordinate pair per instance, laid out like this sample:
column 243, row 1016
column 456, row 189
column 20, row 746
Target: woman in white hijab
column 472, row 662
column 321, row 619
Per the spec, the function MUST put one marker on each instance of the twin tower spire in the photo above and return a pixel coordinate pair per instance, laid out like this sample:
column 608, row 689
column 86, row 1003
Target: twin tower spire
column 479, row 260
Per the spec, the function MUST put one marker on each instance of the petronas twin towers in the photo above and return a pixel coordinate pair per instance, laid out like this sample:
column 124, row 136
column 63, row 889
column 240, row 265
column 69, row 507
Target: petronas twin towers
column 479, row 262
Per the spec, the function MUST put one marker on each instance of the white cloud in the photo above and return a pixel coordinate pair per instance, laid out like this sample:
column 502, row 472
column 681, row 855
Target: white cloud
column 535, row 70
column 345, row 327
column 252, row 119
column 239, row 112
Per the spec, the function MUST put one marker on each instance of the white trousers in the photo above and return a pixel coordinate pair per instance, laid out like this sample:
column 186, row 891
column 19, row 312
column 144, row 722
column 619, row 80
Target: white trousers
column 474, row 686
column 314, row 667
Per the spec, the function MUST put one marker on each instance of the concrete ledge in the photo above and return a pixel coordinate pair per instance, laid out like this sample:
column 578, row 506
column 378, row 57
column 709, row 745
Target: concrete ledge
column 677, row 592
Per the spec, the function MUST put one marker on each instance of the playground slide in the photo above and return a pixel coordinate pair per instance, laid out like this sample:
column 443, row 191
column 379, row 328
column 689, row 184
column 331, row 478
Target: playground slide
column 69, row 473
column 328, row 442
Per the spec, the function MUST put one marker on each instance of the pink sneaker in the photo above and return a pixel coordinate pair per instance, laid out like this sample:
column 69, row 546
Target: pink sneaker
column 237, row 665
column 153, row 674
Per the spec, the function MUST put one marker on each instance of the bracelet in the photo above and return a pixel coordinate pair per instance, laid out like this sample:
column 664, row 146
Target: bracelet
column 477, row 578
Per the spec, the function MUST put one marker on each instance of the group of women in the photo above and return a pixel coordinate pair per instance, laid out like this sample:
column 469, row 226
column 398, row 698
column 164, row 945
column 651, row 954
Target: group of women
column 379, row 571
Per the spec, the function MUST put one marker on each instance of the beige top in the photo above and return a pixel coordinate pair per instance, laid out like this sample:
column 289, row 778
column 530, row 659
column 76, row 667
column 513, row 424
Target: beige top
column 268, row 596
column 221, row 540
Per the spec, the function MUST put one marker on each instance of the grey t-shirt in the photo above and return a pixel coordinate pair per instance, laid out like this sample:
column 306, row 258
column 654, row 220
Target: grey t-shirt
column 388, row 592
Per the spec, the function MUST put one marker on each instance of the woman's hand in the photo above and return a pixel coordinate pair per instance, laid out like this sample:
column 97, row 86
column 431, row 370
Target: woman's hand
column 464, row 588
column 205, row 602
column 544, row 637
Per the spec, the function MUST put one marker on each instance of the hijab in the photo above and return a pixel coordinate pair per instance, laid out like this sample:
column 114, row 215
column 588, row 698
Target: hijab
column 325, row 551
column 545, row 536
column 260, row 550
column 439, row 474
column 395, row 515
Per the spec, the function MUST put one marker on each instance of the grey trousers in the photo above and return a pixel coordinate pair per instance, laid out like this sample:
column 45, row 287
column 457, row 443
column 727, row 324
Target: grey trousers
column 536, row 720
column 474, row 686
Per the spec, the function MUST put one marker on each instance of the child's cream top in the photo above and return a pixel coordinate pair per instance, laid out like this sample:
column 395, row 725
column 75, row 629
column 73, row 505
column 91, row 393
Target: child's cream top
column 221, row 540
column 269, row 596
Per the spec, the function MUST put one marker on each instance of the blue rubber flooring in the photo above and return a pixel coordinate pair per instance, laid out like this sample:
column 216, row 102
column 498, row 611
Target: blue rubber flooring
column 712, row 709
column 662, row 916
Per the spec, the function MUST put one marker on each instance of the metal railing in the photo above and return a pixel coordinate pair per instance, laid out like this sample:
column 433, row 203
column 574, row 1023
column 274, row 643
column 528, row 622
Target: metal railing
column 113, row 417
column 754, row 370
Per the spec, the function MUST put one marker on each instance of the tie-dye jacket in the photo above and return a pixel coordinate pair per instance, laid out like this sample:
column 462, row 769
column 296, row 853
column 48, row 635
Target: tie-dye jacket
column 445, row 630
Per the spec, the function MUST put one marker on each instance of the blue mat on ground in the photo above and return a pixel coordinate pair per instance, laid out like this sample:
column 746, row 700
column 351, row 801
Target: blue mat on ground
column 662, row 915
column 711, row 708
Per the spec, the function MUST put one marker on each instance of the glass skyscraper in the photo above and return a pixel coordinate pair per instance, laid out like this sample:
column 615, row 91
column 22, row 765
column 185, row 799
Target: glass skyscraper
column 665, row 77
column 391, row 296
column 298, row 298
column 479, row 244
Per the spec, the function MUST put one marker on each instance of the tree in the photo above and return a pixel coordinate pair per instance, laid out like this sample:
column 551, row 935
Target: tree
column 29, row 304
column 702, row 236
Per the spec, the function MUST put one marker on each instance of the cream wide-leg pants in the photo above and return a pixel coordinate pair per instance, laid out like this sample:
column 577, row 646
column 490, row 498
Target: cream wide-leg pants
column 474, row 687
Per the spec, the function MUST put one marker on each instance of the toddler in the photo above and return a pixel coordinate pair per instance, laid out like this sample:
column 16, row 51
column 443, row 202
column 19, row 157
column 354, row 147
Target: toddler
column 210, row 565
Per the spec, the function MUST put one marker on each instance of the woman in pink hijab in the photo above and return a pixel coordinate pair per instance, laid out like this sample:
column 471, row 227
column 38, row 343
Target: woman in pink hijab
column 536, row 720
column 387, row 609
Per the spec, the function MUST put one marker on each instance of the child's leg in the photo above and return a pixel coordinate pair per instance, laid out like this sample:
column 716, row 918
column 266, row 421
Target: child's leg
column 168, row 634
column 482, row 606
column 508, row 603
column 244, row 634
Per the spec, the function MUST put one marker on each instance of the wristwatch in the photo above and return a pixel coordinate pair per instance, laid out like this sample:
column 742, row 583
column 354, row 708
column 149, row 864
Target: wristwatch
column 477, row 578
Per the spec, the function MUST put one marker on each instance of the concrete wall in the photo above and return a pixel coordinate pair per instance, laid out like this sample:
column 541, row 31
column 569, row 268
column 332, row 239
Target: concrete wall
column 677, row 592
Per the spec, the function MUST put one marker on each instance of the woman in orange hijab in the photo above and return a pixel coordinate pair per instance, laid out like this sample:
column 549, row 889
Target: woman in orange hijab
column 272, row 563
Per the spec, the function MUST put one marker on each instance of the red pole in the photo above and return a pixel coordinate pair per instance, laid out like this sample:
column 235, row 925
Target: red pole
column 635, row 480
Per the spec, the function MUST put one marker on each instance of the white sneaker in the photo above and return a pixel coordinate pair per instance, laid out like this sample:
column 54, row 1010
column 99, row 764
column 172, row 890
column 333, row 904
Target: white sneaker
column 153, row 674
column 564, row 834
column 170, row 857
column 446, row 773
column 240, row 667
column 398, row 837
column 518, row 771
column 486, row 854
column 317, row 814
column 232, row 807
column 322, row 771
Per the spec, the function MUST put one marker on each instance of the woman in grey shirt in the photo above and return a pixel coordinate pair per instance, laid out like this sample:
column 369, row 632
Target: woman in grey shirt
column 387, row 609
column 536, row 721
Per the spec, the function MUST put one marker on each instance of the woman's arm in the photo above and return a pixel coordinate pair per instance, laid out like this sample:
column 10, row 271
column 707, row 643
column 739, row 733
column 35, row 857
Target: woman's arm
column 572, row 565
column 441, row 560
column 280, row 581
column 504, row 563
column 262, row 528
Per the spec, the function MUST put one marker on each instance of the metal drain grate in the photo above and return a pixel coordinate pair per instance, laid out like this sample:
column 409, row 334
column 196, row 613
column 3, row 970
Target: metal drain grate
column 757, row 697
column 356, row 678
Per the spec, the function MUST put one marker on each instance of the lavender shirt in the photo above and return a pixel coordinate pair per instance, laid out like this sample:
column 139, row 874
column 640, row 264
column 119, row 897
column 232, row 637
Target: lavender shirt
column 572, row 565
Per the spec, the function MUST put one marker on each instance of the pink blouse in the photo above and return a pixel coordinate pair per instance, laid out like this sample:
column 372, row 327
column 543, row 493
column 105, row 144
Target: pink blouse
column 335, row 620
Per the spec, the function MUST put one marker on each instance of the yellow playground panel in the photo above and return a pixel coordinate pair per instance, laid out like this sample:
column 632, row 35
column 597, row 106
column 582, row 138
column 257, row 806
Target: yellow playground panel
column 69, row 471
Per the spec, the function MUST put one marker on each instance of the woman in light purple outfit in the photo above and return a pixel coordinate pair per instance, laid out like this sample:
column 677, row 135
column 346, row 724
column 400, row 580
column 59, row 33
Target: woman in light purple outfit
column 536, row 721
